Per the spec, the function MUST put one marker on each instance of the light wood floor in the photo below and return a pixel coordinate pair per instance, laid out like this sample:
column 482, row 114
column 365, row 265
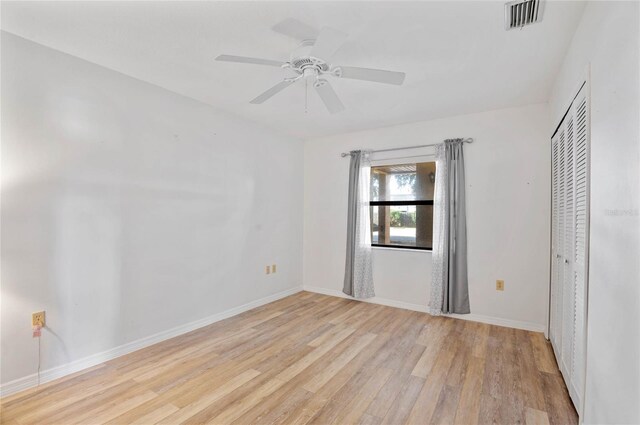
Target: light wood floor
column 315, row 359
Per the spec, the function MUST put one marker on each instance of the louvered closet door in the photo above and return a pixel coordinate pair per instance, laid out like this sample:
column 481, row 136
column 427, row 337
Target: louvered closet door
column 555, row 327
column 559, row 239
column 581, row 246
column 569, row 244
column 568, row 247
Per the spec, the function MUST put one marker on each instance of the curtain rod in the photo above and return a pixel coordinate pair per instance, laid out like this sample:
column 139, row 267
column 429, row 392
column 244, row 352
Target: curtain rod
column 468, row 140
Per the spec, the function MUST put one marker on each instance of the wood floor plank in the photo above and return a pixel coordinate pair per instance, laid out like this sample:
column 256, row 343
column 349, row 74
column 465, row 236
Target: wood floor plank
column 352, row 309
column 543, row 353
column 117, row 406
column 233, row 398
column 536, row 417
column 304, row 413
column 280, row 409
column 341, row 361
column 36, row 394
column 493, row 381
column 469, row 405
column 446, row 407
column 532, row 387
column 359, row 365
column 367, row 419
column 352, row 412
column 58, row 397
column 154, row 416
column 187, row 392
column 399, row 411
column 207, row 381
column 237, row 409
column 513, row 408
column 312, row 358
column 325, row 336
column 149, row 412
column 427, row 400
column 60, row 411
column 341, row 410
column 558, row 404
column 395, row 386
column 481, row 340
column 205, row 401
column 433, row 345
column 458, row 368
column 321, row 350
column 431, row 330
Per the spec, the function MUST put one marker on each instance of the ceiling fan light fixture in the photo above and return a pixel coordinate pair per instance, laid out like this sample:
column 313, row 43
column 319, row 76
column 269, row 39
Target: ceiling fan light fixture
column 310, row 72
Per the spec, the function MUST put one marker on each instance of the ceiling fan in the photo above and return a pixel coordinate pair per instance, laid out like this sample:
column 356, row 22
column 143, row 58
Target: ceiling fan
column 310, row 62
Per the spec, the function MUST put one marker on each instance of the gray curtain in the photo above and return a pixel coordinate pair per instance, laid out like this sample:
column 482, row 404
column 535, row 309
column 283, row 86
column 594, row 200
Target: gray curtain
column 358, row 275
column 449, row 287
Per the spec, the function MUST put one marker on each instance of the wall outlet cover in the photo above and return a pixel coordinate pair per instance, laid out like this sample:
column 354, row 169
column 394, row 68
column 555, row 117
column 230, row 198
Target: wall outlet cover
column 499, row 285
column 38, row 319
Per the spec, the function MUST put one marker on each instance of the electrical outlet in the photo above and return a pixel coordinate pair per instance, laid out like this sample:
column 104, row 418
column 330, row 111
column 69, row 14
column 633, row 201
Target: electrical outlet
column 38, row 319
column 273, row 268
column 499, row 285
column 267, row 270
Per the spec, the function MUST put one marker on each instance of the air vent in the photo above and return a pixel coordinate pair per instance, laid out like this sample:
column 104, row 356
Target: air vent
column 519, row 13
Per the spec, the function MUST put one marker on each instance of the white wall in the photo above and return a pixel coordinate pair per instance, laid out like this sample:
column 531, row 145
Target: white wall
column 607, row 40
column 128, row 210
column 508, row 208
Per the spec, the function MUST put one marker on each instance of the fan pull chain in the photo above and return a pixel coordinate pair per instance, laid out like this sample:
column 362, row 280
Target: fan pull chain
column 306, row 93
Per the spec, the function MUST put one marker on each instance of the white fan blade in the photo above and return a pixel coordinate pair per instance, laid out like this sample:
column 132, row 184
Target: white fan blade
column 328, row 96
column 272, row 91
column 375, row 75
column 296, row 29
column 328, row 42
column 244, row 59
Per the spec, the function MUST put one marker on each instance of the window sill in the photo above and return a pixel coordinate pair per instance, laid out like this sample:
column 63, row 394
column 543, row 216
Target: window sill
column 384, row 248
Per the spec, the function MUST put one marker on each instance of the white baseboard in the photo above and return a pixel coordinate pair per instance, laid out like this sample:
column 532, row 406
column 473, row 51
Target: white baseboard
column 499, row 321
column 98, row 358
column 516, row 324
column 374, row 300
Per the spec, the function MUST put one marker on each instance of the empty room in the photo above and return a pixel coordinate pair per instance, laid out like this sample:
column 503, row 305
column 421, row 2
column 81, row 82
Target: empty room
column 310, row 212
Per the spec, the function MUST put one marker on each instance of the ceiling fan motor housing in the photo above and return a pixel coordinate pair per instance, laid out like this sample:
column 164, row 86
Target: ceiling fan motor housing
column 303, row 64
column 306, row 65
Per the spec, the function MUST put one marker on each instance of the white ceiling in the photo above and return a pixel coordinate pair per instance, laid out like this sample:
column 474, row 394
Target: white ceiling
column 457, row 56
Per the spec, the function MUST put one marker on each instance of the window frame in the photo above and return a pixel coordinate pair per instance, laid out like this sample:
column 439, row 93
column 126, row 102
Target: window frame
column 401, row 203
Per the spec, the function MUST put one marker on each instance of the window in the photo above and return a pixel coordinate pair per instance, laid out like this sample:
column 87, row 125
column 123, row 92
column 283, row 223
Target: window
column 402, row 205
